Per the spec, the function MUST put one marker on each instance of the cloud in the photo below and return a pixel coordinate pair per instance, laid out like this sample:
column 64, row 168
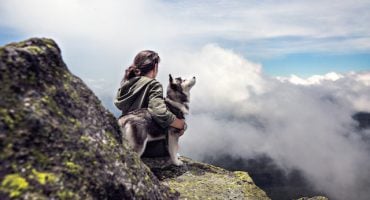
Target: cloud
column 282, row 27
column 316, row 79
column 238, row 111
column 352, row 86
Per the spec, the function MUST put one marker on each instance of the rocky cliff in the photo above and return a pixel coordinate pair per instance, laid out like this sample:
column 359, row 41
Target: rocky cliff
column 58, row 142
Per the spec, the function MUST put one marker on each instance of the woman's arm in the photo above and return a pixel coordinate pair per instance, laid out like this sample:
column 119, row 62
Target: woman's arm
column 158, row 108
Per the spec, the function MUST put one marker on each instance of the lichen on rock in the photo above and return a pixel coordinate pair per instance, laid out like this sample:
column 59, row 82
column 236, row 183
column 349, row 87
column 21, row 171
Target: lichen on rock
column 13, row 184
column 43, row 177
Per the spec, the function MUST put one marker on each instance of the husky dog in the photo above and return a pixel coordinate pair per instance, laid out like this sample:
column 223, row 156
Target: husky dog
column 139, row 127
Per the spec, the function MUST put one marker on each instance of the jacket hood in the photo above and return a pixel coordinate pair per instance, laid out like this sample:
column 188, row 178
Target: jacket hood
column 130, row 90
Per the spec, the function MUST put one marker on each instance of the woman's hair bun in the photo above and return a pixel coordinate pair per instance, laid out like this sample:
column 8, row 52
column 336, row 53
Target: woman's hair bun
column 144, row 62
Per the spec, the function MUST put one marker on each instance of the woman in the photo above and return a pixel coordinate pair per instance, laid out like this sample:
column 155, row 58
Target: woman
column 140, row 89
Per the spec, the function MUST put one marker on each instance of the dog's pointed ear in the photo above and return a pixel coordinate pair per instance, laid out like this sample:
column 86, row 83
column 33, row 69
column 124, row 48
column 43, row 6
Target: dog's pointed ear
column 171, row 79
column 172, row 84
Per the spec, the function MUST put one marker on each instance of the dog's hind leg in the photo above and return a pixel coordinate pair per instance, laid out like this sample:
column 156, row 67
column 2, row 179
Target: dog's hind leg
column 140, row 148
column 173, row 147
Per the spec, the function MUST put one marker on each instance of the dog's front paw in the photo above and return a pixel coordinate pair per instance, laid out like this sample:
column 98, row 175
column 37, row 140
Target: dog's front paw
column 178, row 162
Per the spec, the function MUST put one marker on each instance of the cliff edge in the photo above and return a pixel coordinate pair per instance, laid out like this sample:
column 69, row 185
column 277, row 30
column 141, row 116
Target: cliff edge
column 196, row 180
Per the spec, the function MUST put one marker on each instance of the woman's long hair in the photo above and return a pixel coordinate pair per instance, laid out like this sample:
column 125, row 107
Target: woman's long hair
column 144, row 62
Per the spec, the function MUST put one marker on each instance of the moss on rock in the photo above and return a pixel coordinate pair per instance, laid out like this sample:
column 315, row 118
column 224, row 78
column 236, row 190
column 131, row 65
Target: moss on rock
column 14, row 185
column 43, row 177
column 66, row 195
column 73, row 167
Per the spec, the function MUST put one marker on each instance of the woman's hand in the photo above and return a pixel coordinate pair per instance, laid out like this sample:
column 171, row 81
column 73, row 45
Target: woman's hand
column 178, row 123
column 182, row 132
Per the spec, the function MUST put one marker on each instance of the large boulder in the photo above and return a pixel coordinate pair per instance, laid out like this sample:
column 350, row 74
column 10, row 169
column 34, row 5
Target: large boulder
column 56, row 139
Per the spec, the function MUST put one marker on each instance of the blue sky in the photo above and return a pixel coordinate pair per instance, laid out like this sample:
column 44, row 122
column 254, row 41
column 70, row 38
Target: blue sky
column 7, row 35
column 308, row 64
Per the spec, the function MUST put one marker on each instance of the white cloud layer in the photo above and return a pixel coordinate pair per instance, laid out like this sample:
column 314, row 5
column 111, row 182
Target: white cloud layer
column 303, row 124
column 316, row 79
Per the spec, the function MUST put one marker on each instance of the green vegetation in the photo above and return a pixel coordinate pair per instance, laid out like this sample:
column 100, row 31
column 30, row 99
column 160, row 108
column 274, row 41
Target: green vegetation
column 43, row 177
column 6, row 118
column 66, row 195
column 73, row 168
column 34, row 49
column 14, row 185
column 243, row 176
